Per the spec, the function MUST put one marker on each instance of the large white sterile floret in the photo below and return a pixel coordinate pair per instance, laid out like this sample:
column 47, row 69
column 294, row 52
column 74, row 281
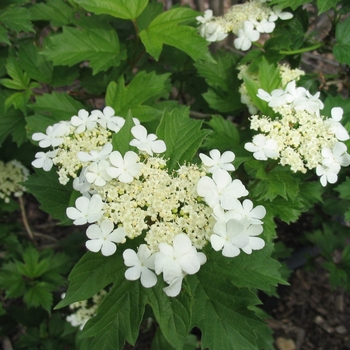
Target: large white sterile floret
column 221, row 189
column 218, row 160
column 86, row 210
column 146, row 142
column 176, row 261
column 104, row 237
column 126, row 168
column 140, row 265
column 262, row 147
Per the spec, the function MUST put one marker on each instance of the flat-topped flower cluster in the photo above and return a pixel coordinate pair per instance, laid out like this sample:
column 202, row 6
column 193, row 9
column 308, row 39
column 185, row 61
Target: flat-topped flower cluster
column 12, row 174
column 124, row 196
column 299, row 136
column 247, row 21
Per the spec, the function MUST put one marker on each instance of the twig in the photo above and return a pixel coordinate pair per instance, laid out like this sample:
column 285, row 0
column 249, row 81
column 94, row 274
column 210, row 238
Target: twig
column 198, row 115
column 24, row 218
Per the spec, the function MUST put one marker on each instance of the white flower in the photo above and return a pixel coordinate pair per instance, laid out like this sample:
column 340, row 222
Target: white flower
column 87, row 210
column 218, row 161
column 93, row 155
column 53, row 137
column 80, row 183
column 264, row 26
column 233, row 235
column 335, row 127
column 125, row 169
column 277, row 13
column 141, row 264
column 277, row 98
column 146, row 143
column 96, row 173
column 176, row 261
column 246, row 211
column 309, row 103
column 336, row 155
column 212, row 32
column 246, row 36
column 84, row 121
column 108, row 120
column 103, row 237
column 208, row 14
column 263, row 148
column 44, row 160
column 221, row 189
column 328, row 174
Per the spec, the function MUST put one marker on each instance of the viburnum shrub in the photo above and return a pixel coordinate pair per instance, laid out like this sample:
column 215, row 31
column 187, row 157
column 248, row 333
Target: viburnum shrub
column 175, row 160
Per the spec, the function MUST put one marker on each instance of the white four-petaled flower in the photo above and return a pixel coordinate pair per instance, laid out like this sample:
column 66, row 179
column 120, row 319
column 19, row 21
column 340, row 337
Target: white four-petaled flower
column 44, row 160
column 84, row 121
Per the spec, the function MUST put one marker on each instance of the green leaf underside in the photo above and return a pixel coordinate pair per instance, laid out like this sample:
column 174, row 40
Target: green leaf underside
column 182, row 136
column 99, row 46
column 167, row 29
column 124, row 9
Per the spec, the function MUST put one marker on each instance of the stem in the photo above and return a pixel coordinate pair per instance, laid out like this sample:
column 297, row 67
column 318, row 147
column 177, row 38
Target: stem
column 305, row 49
column 25, row 220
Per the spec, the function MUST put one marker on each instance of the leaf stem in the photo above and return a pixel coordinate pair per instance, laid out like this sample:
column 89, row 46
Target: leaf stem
column 305, row 49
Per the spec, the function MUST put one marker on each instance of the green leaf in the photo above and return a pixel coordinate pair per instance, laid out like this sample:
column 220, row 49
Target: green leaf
column 222, row 78
column 3, row 35
column 224, row 136
column 34, row 64
column 58, row 12
column 31, row 267
column 269, row 76
column 124, row 9
column 11, row 280
column 344, row 189
column 341, row 49
column 100, row 46
column 293, row 4
column 53, row 197
column 91, row 274
column 19, row 100
column 151, row 11
column 167, row 29
column 60, row 106
column 182, row 136
column 11, row 121
column 325, row 5
column 40, row 295
column 287, row 211
column 16, row 18
column 132, row 96
column 121, row 140
column 221, row 312
column 119, row 316
column 14, row 70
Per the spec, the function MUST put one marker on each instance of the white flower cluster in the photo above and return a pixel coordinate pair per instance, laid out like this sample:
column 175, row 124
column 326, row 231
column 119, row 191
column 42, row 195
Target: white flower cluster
column 126, row 196
column 84, row 310
column 247, row 21
column 286, row 74
column 299, row 136
column 11, row 175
